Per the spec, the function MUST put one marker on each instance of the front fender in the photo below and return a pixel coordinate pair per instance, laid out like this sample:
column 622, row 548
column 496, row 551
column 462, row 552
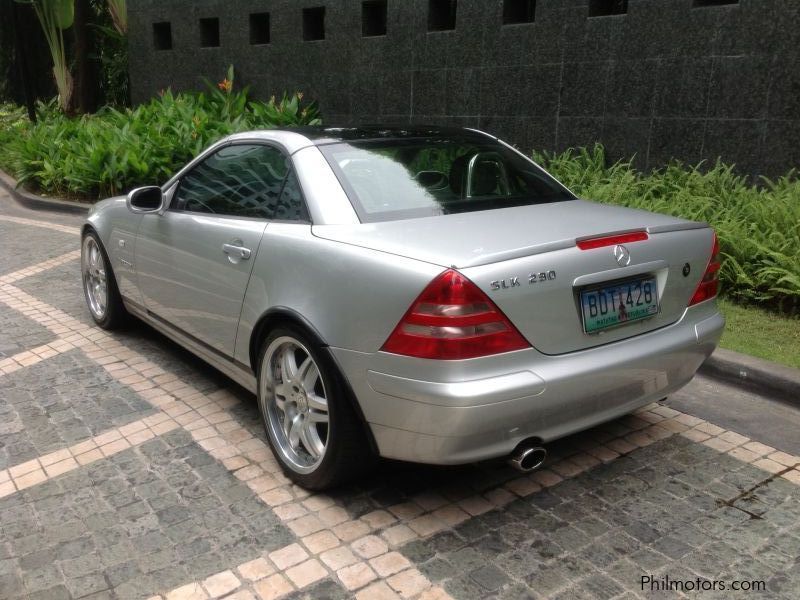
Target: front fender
column 117, row 227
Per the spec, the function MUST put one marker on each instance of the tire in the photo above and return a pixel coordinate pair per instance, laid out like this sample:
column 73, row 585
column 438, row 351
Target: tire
column 99, row 285
column 312, row 428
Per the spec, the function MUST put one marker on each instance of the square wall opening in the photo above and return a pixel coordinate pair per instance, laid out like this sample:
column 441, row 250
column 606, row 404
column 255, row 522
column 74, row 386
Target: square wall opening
column 209, row 32
column 373, row 18
column 702, row 3
column 162, row 35
column 314, row 23
column 259, row 29
column 607, row 8
column 519, row 11
column 442, row 15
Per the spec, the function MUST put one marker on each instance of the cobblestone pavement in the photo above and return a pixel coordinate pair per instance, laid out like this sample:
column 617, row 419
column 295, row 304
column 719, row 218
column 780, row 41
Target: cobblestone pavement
column 129, row 469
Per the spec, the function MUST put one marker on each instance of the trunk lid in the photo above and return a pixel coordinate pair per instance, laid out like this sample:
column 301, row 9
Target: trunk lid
column 498, row 248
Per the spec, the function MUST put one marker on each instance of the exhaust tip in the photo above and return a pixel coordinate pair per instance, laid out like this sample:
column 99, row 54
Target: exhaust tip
column 528, row 458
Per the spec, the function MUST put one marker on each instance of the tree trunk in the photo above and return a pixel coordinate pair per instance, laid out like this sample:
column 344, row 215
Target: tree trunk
column 25, row 62
column 85, row 97
column 21, row 63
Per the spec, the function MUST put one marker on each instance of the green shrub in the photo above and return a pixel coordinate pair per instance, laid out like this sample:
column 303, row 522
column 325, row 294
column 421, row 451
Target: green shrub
column 758, row 226
column 13, row 125
column 114, row 150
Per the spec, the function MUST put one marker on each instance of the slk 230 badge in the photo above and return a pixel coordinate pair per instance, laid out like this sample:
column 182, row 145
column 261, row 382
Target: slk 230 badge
column 512, row 282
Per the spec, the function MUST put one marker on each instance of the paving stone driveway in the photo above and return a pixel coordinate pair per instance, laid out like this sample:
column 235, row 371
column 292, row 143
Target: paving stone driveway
column 129, row 469
column 42, row 413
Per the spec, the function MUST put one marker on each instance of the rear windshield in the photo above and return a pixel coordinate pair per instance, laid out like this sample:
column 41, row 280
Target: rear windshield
column 403, row 179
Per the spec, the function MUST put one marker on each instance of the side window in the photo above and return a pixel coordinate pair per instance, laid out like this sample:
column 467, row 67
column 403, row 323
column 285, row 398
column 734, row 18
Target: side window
column 291, row 206
column 242, row 180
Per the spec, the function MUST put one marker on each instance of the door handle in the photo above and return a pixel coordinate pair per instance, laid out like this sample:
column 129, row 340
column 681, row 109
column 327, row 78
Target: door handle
column 237, row 251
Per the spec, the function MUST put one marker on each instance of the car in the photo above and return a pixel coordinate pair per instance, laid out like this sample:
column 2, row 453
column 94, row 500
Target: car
column 425, row 294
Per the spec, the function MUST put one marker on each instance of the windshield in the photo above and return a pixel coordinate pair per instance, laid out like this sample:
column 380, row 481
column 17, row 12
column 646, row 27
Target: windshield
column 402, row 179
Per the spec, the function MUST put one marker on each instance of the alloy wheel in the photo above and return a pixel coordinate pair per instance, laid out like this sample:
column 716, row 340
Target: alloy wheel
column 94, row 277
column 294, row 401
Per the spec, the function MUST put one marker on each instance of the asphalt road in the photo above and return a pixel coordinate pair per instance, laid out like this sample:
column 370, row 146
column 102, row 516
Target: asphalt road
column 770, row 421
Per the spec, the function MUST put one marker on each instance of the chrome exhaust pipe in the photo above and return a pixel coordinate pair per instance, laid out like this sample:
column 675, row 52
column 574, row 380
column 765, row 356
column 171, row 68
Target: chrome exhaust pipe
column 528, row 458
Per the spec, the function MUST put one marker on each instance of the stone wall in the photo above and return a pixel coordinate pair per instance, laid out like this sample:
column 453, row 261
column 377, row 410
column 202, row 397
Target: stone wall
column 690, row 79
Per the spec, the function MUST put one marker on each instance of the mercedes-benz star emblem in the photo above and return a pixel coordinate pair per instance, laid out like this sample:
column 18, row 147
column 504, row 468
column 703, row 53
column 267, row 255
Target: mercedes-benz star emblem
column 622, row 255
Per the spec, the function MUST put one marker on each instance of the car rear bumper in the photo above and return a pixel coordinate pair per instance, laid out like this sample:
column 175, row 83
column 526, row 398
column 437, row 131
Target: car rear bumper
column 451, row 412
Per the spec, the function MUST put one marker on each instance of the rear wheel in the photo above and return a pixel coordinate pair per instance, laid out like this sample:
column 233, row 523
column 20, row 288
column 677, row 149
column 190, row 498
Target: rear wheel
column 99, row 285
column 311, row 426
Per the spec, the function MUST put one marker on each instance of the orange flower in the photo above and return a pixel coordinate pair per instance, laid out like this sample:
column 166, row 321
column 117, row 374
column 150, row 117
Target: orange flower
column 225, row 85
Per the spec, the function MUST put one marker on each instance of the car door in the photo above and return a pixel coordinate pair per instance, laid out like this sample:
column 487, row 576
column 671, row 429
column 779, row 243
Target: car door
column 193, row 262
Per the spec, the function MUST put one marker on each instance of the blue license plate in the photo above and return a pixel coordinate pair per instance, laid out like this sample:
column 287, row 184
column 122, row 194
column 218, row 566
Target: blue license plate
column 618, row 304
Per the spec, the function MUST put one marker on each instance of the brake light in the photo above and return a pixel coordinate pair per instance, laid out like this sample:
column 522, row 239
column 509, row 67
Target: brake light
column 709, row 284
column 453, row 319
column 612, row 240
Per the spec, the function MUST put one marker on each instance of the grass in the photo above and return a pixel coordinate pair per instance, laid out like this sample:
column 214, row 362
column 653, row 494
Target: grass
column 762, row 333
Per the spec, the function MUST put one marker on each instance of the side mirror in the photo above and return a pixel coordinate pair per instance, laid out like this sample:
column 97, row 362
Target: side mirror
column 147, row 199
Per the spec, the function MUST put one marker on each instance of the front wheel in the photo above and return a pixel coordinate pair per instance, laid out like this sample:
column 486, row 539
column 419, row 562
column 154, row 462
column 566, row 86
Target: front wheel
column 99, row 285
column 311, row 426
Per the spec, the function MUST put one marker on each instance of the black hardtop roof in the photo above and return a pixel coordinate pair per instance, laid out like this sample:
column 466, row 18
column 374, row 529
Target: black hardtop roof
column 324, row 134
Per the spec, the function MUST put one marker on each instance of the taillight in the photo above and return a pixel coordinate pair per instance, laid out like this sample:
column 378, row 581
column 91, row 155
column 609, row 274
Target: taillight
column 611, row 240
column 709, row 284
column 453, row 319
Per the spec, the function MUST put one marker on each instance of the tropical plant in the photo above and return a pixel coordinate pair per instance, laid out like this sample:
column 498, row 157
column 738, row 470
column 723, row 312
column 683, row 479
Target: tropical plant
column 119, row 14
column 230, row 103
column 55, row 16
column 116, row 149
column 288, row 111
column 13, row 125
column 112, row 56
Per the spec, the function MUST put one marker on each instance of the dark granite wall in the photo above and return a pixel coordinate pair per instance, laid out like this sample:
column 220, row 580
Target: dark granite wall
column 666, row 79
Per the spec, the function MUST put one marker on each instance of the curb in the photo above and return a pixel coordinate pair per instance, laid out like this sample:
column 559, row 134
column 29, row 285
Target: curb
column 34, row 202
column 758, row 375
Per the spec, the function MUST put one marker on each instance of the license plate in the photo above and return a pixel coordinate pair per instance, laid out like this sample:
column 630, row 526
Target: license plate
column 620, row 303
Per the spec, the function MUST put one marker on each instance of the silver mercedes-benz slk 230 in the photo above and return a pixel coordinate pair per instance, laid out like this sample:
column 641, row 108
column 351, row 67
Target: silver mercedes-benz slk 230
column 423, row 294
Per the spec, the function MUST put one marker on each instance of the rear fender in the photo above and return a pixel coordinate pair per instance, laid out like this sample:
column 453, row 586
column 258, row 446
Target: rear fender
column 281, row 315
